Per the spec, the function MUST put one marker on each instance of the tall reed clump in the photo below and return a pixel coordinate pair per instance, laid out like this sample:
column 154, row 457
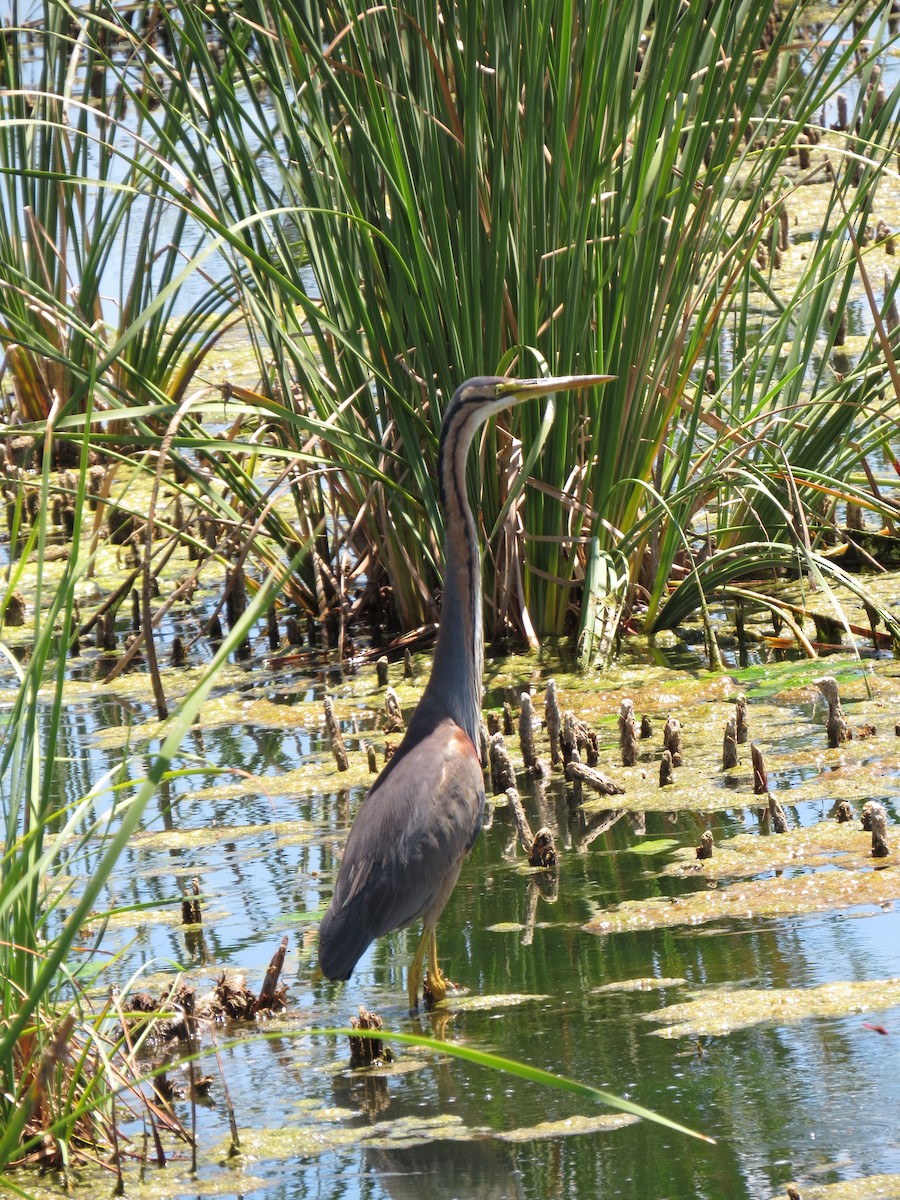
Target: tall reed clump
column 68, row 1075
column 428, row 192
column 94, row 256
column 404, row 197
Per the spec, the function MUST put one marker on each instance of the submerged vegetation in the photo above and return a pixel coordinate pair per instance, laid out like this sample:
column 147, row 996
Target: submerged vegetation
column 379, row 204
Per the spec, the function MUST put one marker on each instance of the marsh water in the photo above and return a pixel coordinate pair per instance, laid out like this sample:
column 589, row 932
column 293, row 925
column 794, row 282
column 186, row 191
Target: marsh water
column 792, row 1078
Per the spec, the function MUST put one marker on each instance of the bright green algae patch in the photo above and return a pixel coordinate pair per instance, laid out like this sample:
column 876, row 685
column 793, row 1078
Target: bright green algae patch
column 719, row 1011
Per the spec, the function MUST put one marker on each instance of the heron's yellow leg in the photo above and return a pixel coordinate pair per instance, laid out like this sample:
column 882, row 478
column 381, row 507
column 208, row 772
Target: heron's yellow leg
column 415, row 971
column 437, row 984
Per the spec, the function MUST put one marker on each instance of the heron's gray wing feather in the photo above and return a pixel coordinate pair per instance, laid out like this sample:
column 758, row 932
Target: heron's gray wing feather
column 408, row 840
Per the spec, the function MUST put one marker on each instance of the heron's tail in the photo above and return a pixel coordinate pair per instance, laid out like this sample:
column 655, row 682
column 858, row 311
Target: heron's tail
column 342, row 943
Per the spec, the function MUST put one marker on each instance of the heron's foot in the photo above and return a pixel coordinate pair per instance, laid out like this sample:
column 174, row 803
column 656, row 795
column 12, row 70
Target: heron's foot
column 435, row 988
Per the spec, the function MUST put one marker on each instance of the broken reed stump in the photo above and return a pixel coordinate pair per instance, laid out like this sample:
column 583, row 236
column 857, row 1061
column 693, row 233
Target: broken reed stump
column 874, row 819
column 773, row 814
column 230, row 999
column 543, row 850
column 503, row 776
column 15, row 609
column 705, row 849
column 270, row 994
column 393, row 710
column 742, row 724
column 729, row 745
column 836, row 726
column 366, row 1051
column 407, row 664
column 526, row 732
column 842, row 812
column 235, row 596
column 191, row 913
column 576, row 796
column 672, row 740
column 539, row 846
column 646, row 727
column 371, row 758
column 592, row 778
column 569, row 737
column 381, row 671
column 508, row 723
column 628, row 734
column 553, row 719
column 760, row 776
column 334, row 733
column 272, row 631
column 666, row 772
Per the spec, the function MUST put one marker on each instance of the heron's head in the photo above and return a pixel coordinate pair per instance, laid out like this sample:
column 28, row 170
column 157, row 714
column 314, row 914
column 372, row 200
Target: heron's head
column 488, row 394
column 478, row 399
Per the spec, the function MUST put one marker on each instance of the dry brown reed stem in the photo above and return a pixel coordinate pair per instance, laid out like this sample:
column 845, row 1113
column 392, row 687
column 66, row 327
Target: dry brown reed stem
column 334, row 733
column 381, row 670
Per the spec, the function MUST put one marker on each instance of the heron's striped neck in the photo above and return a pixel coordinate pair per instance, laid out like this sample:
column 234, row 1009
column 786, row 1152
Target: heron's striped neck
column 456, row 675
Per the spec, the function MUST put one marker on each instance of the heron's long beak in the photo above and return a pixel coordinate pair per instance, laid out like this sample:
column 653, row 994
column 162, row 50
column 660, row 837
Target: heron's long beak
column 522, row 388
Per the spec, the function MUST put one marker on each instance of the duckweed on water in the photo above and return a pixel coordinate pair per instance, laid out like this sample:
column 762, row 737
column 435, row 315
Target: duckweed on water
column 778, row 897
column 327, row 1135
column 826, row 843
column 719, row 1011
column 875, row 1187
column 473, row 1003
column 648, row 984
